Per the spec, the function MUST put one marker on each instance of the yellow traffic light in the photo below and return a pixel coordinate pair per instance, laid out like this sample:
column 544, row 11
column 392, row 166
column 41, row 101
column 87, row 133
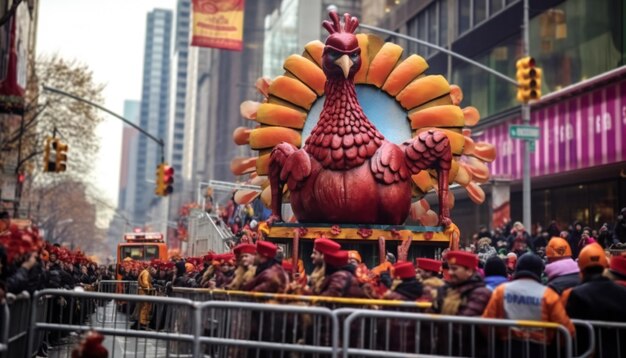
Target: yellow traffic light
column 529, row 80
column 46, row 155
column 160, row 185
column 61, row 155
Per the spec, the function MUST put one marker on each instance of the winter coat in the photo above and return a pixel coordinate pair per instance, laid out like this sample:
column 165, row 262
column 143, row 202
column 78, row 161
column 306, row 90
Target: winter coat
column 407, row 290
column 431, row 287
column 527, row 299
column 619, row 231
column 18, row 281
column 341, row 283
column 270, row 277
column 223, row 279
column 527, row 239
column 494, row 281
column 468, row 298
column 485, row 253
column 598, row 299
column 562, row 274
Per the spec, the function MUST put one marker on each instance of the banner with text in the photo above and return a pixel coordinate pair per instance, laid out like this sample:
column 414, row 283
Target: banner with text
column 218, row 24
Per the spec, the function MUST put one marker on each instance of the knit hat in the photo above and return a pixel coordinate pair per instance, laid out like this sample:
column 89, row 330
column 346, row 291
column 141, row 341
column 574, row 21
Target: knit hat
column 428, row 264
column 338, row 258
column 529, row 265
column 404, row 270
column 244, row 249
column 266, row 249
column 618, row 266
column 353, row 254
column 495, row 267
column 324, row 245
column 462, row 258
column 558, row 248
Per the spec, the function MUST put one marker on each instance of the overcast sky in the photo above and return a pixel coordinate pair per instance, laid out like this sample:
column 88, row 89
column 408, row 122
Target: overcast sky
column 107, row 36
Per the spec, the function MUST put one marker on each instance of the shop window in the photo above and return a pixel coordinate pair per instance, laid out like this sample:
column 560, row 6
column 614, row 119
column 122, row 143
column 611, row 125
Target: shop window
column 570, row 204
column 602, row 202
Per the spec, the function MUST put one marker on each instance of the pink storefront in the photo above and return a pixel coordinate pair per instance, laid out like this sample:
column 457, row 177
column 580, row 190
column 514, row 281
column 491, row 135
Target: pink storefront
column 578, row 167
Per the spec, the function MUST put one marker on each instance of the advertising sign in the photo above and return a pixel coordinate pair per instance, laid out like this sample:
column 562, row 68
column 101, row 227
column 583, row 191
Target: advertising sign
column 218, row 24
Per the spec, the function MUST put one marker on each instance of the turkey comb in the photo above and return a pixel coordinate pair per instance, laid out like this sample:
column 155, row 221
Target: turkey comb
column 350, row 23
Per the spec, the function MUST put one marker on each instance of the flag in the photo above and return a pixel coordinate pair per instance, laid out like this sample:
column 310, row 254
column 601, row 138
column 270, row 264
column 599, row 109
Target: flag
column 218, row 24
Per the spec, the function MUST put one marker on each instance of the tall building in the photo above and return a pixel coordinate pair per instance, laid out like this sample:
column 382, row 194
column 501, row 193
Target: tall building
column 176, row 134
column 577, row 167
column 128, row 166
column 153, row 116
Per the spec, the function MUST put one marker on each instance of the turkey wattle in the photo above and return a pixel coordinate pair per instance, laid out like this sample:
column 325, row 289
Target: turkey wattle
column 347, row 172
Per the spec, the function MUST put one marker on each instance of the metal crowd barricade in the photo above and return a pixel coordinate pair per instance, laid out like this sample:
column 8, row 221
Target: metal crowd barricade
column 5, row 318
column 242, row 329
column 400, row 334
column 16, row 326
column 118, row 286
column 607, row 339
column 69, row 314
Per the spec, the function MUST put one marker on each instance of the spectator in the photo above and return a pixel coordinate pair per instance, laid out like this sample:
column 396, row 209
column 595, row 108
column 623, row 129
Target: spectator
column 511, row 261
column 519, row 232
column 483, row 232
column 597, row 299
column 428, row 272
column 574, row 238
column 485, row 250
column 561, row 270
column 525, row 298
column 495, row 272
column 605, row 238
column 617, row 270
column 619, row 231
column 245, row 270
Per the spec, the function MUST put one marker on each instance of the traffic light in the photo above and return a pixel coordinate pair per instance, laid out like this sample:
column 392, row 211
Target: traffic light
column 160, row 187
column 61, row 155
column 528, row 80
column 47, row 157
column 164, row 180
column 168, row 179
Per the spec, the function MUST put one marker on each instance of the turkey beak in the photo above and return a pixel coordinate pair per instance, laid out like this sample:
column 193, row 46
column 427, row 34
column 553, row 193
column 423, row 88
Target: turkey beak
column 345, row 63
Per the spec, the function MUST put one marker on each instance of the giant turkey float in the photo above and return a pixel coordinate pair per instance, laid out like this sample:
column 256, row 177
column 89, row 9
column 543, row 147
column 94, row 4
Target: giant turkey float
column 353, row 136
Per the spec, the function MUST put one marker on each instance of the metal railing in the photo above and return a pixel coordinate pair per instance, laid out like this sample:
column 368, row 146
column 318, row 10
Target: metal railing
column 277, row 325
column 205, row 234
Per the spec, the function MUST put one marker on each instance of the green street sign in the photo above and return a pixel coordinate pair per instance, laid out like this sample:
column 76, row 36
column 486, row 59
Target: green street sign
column 519, row 131
column 531, row 146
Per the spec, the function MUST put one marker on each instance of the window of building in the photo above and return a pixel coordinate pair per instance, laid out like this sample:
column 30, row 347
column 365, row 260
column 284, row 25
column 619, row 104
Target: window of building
column 495, row 6
column 412, row 31
column 422, row 30
column 433, row 28
column 464, row 16
column 480, row 11
column 443, row 23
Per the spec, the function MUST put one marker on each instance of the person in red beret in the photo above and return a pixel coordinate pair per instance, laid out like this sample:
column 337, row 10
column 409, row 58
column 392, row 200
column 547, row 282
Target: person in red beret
column 297, row 277
column 428, row 272
column 617, row 270
column 465, row 293
column 270, row 276
column 320, row 247
column 245, row 270
column 409, row 289
column 340, row 280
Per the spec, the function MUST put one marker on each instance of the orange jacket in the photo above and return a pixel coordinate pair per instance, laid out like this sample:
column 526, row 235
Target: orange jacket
column 527, row 299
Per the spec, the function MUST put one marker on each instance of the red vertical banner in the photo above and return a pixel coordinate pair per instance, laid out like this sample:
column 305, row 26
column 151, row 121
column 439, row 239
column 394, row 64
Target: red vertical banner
column 501, row 203
column 218, row 24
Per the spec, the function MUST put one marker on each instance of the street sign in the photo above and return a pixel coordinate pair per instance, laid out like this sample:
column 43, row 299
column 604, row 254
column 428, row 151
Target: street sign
column 519, row 131
column 531, row 146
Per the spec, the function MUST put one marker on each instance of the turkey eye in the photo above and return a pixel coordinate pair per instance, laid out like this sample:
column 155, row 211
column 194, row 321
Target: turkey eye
column 354, row 55
column 334, row 54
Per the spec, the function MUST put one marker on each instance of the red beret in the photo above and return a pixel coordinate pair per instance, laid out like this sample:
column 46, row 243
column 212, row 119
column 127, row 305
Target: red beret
column 209, row 257
column 266, row 249
column 618, row 265
column 288, row 265
column 326, row 245
column 244, row 249
column 428, row 264
column 404, row 269
column 337, row 258
column 462, row 258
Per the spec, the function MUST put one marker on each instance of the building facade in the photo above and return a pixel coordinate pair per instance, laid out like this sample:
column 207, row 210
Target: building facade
column 577, row 167
column 128, row 168
column 154, row 116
